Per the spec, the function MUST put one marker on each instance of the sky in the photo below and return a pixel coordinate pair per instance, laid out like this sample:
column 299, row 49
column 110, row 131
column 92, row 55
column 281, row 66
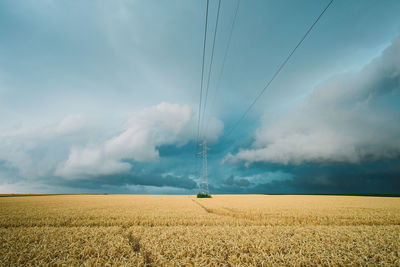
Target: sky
column 103, row 97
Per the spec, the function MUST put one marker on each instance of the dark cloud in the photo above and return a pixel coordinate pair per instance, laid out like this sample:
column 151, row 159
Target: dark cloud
column 238, row 182
column 374, row 178
column 155, row 180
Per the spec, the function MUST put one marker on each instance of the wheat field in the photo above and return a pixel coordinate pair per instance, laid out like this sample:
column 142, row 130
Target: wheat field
column 226, row 230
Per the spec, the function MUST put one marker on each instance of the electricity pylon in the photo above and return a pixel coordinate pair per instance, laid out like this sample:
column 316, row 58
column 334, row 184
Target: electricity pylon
column 204, row 182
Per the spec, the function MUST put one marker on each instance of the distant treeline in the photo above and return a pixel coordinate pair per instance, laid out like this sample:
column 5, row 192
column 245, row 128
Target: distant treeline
column 358, row 194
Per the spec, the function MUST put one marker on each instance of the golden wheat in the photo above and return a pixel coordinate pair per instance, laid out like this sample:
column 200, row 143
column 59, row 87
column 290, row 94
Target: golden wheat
column 182, row 230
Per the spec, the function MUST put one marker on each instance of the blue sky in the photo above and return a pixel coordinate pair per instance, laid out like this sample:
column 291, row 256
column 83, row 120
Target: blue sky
column 102, row 97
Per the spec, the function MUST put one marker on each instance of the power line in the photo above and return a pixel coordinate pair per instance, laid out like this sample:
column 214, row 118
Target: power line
column 278, row 71
column 204, row 184
column 223, row 62
column 202, row 74
column 211, row 64
column 201, row 88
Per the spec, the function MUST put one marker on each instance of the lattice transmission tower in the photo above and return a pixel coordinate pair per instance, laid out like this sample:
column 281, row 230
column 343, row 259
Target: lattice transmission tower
column 204, row 182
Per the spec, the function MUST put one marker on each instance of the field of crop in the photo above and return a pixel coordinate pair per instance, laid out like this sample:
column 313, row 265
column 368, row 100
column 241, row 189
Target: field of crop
column 225, row 230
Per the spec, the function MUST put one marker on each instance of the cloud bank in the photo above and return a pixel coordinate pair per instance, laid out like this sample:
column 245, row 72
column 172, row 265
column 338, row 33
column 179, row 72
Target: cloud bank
column 75, row 148
column 34, row 151
column 142, row 134
column 352, row 118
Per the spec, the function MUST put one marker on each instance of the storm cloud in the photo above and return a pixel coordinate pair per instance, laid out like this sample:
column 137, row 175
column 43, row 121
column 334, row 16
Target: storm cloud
column 352, row 118
column 67, row 150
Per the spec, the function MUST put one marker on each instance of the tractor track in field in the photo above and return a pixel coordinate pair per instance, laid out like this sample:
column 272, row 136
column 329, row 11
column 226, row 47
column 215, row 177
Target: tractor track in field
column 223, row 212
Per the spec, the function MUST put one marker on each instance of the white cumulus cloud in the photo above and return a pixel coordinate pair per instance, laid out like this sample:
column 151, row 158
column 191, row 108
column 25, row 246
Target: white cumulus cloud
column 35, row 151
column 353, row 117
column 141, row 135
